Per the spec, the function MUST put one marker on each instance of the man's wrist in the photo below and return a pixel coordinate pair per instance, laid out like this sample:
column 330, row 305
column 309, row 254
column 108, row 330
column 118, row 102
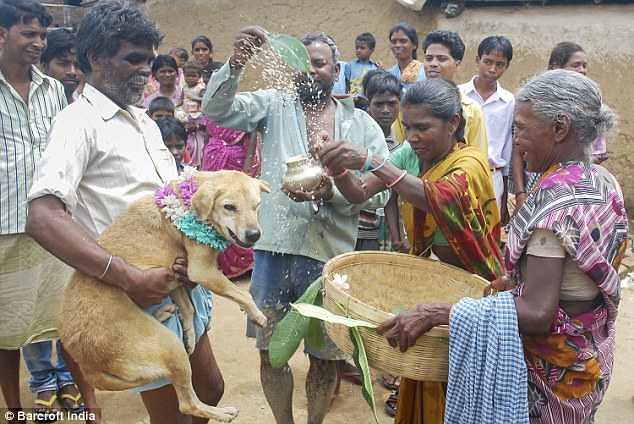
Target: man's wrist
column 120, row 274
column 234, row 64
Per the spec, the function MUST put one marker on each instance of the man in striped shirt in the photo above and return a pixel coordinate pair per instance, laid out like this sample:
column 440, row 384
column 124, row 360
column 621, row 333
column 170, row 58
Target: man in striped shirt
column 29, row 101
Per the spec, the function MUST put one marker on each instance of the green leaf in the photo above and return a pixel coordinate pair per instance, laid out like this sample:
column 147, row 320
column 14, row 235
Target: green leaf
column 322, row 314
column 361, row 361
column 290, row 331
column 314, row 338
column 291, row 50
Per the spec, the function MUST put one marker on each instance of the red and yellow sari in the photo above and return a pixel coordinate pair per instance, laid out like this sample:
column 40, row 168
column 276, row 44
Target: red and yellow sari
column 462, row 207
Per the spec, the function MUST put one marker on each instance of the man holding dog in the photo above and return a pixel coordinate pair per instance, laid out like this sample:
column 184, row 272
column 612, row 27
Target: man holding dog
column 296, row 240
column 103, row 154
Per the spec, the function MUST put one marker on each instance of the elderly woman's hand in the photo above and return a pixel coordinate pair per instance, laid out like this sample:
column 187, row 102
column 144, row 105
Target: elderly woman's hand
column 404, row 329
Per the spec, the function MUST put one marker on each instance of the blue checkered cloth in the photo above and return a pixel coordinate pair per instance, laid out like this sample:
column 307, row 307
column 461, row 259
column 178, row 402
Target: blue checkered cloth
column 487, row 372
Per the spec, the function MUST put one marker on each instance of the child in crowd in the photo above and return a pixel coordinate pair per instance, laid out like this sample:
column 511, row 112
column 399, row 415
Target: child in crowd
column 192, row 73
column 180, row 55
column 355, row 70
column 196, row 125
column 160, row 107
column 165, row 70
column 174, row 136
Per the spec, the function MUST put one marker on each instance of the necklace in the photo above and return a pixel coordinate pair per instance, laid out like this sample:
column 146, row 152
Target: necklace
column 179, row 211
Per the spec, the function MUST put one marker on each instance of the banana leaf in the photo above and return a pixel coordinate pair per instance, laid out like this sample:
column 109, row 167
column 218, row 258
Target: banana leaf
column 314, row 338
column 361, row 361
column 322, row 314
column 291, row 50
column 290, row 331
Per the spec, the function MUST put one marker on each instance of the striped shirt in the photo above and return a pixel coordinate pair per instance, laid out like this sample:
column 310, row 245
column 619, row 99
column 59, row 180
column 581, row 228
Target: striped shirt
column 23, row 137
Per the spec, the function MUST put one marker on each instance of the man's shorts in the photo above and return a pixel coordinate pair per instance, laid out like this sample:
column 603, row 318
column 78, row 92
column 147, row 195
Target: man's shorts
column 202, row 299
column 277, row 281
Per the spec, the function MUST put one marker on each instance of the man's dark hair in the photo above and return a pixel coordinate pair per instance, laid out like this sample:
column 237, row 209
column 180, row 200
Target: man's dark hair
column 379, row 81
column 109, row 23
column 561, row 54
column 23, row 11
column 202, row 39
column 496, row 43
column 409, row 31
column 449, row 39
column 368, row 39
column 171, row 127
column 321, row 37
column 59, row 42
column 160, row 103
column 163, row 60
column 180, row 53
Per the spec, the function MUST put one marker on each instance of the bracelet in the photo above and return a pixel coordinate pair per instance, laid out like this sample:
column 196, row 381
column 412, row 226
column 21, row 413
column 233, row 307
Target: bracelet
column 342, row 174
column 397, row 180
column 105, row 271
column 378, row 167
column 368, row 162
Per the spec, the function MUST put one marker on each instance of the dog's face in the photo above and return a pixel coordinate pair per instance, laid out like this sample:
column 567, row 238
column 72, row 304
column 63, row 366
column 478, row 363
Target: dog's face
column 229, row 201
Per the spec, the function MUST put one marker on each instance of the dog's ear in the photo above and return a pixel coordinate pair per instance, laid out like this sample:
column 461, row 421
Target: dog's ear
column 264, row 187
column 204, row 199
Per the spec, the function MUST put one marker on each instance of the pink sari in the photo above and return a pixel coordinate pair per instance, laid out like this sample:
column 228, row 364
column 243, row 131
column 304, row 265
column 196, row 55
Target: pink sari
column 227, row 150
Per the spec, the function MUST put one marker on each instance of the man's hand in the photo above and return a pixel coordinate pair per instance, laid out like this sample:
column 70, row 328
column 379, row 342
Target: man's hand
column 503, row 283
column 247, row 42
column 180, row 271
column 404, row 329
column 149, row 287
column 323, row 192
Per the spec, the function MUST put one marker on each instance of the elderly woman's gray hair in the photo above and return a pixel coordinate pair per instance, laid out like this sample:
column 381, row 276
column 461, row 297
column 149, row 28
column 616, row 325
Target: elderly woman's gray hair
column 560, row 92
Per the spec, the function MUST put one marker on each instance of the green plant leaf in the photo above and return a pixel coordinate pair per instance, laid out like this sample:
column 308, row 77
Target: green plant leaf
column 290, row 331
column 314, row 338
column 361, row 361
column 291, row 50
column 322, row 314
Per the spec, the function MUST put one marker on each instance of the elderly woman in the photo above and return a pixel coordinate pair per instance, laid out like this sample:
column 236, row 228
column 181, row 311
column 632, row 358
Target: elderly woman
column 564, row 247
column 449, row 186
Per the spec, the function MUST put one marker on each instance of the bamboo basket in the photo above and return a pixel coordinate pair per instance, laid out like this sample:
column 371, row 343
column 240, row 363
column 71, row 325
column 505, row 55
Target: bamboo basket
column 381, row 282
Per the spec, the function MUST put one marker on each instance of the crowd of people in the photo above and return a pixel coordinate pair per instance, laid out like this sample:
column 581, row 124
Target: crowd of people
column 417, row 163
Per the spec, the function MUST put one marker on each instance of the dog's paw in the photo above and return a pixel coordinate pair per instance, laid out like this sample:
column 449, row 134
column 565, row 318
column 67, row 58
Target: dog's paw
column 189, row 339
column 227, row 414
column 164, row 313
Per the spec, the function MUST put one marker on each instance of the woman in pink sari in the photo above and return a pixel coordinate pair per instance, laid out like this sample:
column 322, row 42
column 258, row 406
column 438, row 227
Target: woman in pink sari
column 229, row 149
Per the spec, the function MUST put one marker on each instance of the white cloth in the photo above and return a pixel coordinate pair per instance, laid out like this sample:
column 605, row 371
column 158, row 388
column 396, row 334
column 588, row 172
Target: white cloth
column 498, row 113
column 23, row 131
column 100, row 158
column 498, row 186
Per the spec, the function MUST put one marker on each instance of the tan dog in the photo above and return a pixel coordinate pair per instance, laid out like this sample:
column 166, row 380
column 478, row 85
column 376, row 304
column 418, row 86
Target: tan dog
column 116, row 344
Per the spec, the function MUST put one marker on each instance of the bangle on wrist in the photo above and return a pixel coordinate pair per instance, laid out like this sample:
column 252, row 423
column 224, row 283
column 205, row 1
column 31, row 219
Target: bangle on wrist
column 105, row 271
column 397, row 180
column 368, row 162
column 379, row 167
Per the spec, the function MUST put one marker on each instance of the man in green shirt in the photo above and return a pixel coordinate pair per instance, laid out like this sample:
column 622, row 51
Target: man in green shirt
column 296, row 242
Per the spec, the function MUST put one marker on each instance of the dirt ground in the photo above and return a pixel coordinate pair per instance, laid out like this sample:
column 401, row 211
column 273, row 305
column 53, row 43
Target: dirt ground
column 240, row 367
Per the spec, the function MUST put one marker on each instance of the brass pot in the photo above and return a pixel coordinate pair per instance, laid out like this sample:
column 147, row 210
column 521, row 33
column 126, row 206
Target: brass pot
column 302, row 174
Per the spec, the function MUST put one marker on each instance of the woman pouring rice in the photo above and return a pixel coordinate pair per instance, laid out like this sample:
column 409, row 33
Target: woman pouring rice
column 454, row 210
column 564, row 247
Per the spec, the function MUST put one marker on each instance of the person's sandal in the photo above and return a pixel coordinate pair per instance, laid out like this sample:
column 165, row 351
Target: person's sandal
column 71, row 399
column 390, row 382
column 390, row 404
column 44, row 409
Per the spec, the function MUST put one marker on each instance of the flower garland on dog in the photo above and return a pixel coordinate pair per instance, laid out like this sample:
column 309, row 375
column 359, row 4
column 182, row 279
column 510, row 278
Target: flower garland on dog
column 181, row 214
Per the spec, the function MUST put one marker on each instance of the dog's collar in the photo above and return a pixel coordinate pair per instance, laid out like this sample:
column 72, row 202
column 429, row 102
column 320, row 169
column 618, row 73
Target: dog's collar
column 179, row 211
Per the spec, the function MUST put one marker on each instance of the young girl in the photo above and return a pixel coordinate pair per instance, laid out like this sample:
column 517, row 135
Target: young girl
column 174, row 136
column 235, row 150
column 194, row 85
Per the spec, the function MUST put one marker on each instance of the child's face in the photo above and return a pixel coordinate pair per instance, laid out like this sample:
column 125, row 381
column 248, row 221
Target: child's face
column 384, row 109
column 362, row 51
column 492, row 65
column 160, row 114
column 191, row 78
column 176, row 147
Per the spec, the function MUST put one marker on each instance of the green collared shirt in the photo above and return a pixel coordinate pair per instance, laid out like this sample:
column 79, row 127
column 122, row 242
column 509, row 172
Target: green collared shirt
column 289, row 227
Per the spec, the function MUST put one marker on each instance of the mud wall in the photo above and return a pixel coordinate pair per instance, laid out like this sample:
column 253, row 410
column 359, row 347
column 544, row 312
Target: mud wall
column 605, row 31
